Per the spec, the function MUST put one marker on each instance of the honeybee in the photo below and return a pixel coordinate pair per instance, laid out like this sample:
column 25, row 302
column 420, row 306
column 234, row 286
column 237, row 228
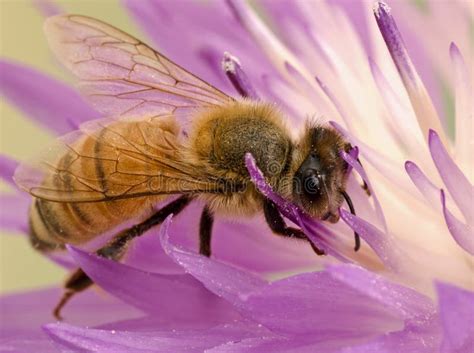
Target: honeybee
column 170, row 137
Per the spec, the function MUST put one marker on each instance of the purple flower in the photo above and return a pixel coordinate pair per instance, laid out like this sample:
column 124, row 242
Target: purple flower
column 409, row 289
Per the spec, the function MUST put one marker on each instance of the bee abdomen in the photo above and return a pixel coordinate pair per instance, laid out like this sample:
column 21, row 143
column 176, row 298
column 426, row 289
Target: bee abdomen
column 52, row 224
column 40, row 244
column 45, row 228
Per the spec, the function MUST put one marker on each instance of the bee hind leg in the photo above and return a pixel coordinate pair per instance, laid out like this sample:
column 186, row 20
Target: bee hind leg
column 278, row 226
column 116, row 248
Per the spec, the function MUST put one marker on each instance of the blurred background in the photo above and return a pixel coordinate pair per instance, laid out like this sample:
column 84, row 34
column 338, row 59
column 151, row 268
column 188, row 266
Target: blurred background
column 22, row 40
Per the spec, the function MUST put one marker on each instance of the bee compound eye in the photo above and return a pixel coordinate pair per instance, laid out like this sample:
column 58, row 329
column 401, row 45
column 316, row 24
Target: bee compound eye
column 312, row 184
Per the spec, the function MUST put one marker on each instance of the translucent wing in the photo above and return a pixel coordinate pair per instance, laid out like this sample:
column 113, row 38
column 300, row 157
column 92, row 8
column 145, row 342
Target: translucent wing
column 123, row 76
column 115, row 159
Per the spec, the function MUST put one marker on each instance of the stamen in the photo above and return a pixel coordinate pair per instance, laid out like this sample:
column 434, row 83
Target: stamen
column 351, row 207
column 420, row 100
column 238, row 78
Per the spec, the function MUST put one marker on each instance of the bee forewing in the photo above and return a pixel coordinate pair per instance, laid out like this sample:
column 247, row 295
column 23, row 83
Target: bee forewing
column 123, row 76
column 108, row 159
column 43, row 176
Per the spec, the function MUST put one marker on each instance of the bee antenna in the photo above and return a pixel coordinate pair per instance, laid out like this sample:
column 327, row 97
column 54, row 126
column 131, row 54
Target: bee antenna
column 351, row 207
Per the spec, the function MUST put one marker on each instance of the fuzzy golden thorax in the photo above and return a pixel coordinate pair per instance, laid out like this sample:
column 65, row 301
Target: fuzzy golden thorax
column 220, row 138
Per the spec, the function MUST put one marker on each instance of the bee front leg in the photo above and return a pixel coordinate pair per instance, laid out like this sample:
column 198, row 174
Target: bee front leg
column 116, row 248
column 278, row 226
column 205, row 231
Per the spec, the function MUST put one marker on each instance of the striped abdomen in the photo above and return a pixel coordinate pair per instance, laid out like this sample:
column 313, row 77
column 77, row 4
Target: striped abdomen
column 53, row 224
column 99, row 160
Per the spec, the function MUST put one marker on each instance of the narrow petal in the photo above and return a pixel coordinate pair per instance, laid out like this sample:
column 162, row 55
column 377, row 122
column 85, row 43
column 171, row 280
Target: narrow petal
column 456, row 310
column 407, row 303
column 224, row 280
column 382, row 243
column 311, row 343
column 336, row 103
column 461, row 190
column 423, row 184
column 278, row 90
column 317, row 104
column 272, row 46
column 462, row 233
column 464, row 110
column 358, row 168
column 24, row 313
column 79, row 339
column 402, row 118
column 420, row 100
column 7, row 169
column 237, row 76
column 317, row 303
column 177, row 297
column 388, row 167
column 14, row 211
column 49, row 102
column 413, row 339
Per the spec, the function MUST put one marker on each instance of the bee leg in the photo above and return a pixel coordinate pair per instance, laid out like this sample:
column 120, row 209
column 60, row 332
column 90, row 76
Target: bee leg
column 278, row 226
column 77, row 282
column 116, row 248
column 205, row 231
column 364, row 184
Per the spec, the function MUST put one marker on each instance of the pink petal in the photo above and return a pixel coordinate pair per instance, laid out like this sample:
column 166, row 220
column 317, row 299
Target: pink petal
column 402, row 118
column 340, row 109
column 456, row 182
column 275, row 50
column 382, row 243
column 464, row 98
column 317, row 303
column 51, row 103
column 79, row 339
column 237, row 76
column 462, row 233
column 358, row 168
column 407, row 303
column 383, row 163
column 7, row 169
column 223, row 280
column 413, row 339
column 423, row 184
column 311, row 343
column 24, row 313
column 286, row 97
column 420, row 100
column 14, row 212
column 456, row 310
column 177, row 297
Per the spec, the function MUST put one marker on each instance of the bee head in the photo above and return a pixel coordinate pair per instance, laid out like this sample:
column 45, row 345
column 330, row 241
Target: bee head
column 321, row 174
